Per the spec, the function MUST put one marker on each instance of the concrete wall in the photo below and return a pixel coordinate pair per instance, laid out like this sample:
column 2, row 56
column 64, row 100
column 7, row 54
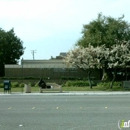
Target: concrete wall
column 53, row 73
column 46, row 68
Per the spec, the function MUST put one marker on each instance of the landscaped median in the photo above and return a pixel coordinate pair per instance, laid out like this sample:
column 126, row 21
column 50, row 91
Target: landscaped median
column 67, row 86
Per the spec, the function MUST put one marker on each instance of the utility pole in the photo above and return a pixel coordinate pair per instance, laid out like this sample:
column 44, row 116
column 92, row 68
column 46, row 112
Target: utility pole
column 22, row 73
column 33, row 51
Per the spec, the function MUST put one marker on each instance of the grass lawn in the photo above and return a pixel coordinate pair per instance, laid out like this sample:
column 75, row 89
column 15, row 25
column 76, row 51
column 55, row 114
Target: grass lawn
column 18, row 86
column 19, row 89
column 87, row 88
column 95, row 88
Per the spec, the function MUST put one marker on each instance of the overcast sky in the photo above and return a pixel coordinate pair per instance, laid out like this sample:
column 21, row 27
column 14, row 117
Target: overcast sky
column 54, row 26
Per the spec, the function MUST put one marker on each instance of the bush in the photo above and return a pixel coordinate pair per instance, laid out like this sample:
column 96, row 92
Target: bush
column 30, row 77
column 32, row 84
column 68, row 78
column 14, row 84
column 107, row 84
column 103, row 84
column 76, row 83
column 117, row 84
column 75, row 78
column 1, row 85
column 21, row 85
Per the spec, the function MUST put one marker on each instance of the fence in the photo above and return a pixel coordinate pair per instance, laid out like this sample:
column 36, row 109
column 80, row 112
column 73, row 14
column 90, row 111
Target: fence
column 53, row 73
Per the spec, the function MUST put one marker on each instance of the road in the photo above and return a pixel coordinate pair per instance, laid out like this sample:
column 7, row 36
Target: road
column 90, row 112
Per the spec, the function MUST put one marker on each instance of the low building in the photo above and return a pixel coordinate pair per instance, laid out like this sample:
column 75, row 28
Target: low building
column 53, row 68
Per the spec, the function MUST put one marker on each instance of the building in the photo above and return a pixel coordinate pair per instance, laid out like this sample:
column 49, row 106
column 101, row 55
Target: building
column 53, row 68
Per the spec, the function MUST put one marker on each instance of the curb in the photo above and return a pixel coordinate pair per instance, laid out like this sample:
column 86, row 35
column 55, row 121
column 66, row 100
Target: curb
column 66, row 94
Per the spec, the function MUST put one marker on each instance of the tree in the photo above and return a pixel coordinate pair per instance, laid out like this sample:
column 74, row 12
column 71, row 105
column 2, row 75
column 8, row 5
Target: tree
column 86, row 59
column 100, row 57
column 104, row 30
column 11, row 48
column 119, row 57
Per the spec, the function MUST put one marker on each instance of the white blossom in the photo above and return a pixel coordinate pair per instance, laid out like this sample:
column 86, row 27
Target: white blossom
column 95, row 57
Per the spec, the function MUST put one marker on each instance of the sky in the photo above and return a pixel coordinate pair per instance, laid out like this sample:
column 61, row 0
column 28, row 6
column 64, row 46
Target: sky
column 53, row 26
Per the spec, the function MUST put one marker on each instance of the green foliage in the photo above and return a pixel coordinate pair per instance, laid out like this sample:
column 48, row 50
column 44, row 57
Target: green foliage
column 70, row 78
column 33, row 77
column 20, row 78
column 107, row 84
column 11, row 48
column 21, row 85
column 75, row 78
column 1, row 85
column 30, row 77
column 78, row 83
column 15, row 84
column 104, row 30
column 32, row 84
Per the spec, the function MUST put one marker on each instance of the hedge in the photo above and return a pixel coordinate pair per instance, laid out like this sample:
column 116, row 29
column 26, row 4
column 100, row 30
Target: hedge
column 78, row 83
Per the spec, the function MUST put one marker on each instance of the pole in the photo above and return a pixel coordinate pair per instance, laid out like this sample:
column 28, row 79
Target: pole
column 22, row 74
column 126, row 73
column 33, row 52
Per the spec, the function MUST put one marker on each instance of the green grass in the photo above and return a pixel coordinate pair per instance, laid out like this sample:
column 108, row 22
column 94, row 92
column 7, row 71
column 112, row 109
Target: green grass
column 87, row 88
column 19, row 89
column 95, row 88
column 68, row 86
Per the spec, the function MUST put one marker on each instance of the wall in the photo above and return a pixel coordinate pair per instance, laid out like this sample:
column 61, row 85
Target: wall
column 53, row 73
column 46, row 68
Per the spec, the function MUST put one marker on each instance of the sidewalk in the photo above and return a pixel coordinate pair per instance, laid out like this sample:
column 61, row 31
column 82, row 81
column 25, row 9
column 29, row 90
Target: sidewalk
column 70, row 93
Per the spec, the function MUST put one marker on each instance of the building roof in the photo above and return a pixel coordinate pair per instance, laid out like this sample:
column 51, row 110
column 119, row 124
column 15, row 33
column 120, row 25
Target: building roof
column 54, row 63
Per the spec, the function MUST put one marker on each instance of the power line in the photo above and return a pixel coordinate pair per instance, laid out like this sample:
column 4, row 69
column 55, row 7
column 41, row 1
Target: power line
column 33, row 52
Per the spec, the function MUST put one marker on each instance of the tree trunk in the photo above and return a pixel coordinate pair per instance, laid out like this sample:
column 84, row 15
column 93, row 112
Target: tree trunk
column 89, row 78
column 104, row 76
column 114, row 77
column 2, row 70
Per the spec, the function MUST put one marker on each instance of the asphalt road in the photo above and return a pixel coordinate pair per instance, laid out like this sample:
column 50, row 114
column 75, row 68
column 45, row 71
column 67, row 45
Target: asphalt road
column 22, row 112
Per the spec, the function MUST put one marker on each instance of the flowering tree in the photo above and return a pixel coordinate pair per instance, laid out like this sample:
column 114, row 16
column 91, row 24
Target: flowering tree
column 85, row 58
column 118, row 57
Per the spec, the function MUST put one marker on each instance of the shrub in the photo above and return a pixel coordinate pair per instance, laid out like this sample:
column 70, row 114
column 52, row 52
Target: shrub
column 29, row 77
column 21, row 85
column 14, row 84
column 103, row 84
column 107, row 84
column 117, row 84
column 32, row 84
column 1, row 85
column 76, row 83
